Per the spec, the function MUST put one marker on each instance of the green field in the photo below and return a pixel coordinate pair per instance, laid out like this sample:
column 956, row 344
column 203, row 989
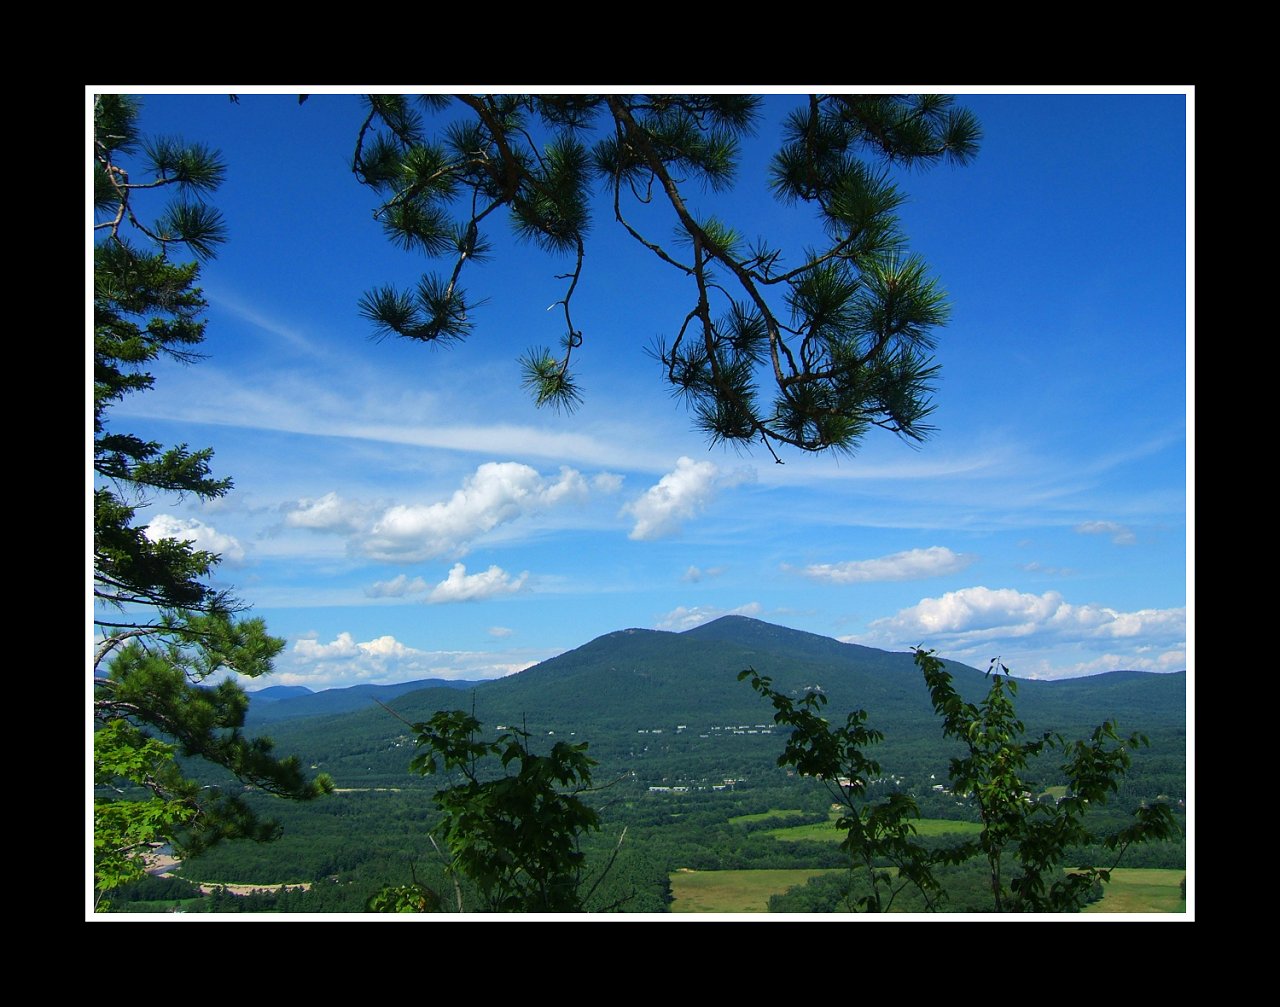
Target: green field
column 1132, row 890
column 826, row 832
column 1142, row 890
column 733, row 891
column 765, row 816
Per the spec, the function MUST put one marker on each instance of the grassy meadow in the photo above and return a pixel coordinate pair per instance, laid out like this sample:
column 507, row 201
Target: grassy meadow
column 1142, row 890
column 733, row 891
column 765, row 816
column 827, row 832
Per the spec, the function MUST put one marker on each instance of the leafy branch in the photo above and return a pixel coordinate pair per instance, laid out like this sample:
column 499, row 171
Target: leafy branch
column 1032, row 838
column 514, row 836
column 876, row 835
column 845, row 336
column 1025, row 843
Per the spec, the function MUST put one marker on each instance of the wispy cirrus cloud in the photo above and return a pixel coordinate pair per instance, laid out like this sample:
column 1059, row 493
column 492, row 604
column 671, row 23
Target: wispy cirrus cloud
column 397, row 587
column 1035, row 566
column 1120, row 535
column 304, row 405
column 914, row 564
column 694, row 575
column 228, row 301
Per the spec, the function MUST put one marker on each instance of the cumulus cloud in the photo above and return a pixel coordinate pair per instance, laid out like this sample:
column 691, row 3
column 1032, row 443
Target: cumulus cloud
column 497, row 493
column 462, row 586
column 1149, row 659
column 606, row 482
column 202, row 536
column 344, row 661
column 384, row 647
column 345, row 648
column 966, row 622
column 678, row 496
column 1120, row 535
column 328, row 513
column 397, row 587
column 915, row 564
column 680, row 618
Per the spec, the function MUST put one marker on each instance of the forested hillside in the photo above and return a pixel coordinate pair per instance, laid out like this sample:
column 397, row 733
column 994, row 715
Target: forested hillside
column 686, row 755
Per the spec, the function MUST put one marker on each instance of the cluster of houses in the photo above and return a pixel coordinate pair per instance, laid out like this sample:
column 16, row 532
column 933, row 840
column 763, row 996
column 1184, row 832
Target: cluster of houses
column 726, row 729
column 728, row 784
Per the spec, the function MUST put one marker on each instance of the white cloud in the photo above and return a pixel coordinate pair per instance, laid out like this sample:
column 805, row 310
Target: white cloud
column 397, row 587
column 250, row 314
column 384, row 647
column 202, row 536
column 915, row 564
column 693, row 575
column 328, row 513
column 497, row 493
column 344, row 662
column 1152, row 660
column 313, row 650
column 678, row 496
column 1120, row 535
column 499, row 631
column 344, row 647
column 607, row 482
column 968, row 622
column 680, row 618
column 1052, row 571
column 461, row 586
column 355, row 402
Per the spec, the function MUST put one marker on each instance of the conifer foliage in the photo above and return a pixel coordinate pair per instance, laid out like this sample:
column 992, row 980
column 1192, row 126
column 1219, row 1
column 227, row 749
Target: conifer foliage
column 161, row 629
column 809, row 347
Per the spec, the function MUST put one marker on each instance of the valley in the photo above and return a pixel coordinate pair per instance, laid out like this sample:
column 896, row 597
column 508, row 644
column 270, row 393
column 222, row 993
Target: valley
column 687, row 783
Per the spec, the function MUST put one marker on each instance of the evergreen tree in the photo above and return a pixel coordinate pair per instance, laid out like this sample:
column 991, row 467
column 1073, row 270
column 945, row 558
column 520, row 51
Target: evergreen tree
column 807, row 347
column 161, row 629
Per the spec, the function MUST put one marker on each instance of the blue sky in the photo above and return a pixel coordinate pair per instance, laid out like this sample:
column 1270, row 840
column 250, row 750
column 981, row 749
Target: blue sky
column 405, row 512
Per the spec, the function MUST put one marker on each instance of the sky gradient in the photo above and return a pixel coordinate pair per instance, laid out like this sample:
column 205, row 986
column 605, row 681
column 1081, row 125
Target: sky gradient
column 403, row 511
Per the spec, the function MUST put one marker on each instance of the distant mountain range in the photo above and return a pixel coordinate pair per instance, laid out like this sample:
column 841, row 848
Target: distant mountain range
column 634, row 681
column 284, row 702
column 634, row 676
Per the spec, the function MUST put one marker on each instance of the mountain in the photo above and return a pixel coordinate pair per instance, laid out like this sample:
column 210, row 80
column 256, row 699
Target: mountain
column 275, row 693
column 285, row 702
column 647, row 695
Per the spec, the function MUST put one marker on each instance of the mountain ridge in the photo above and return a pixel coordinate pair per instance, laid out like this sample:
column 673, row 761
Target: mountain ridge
column 654, row 702
column 635, row 678
column 285, row 702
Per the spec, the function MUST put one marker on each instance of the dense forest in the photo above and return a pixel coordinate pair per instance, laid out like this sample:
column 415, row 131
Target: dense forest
column 686, row 778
